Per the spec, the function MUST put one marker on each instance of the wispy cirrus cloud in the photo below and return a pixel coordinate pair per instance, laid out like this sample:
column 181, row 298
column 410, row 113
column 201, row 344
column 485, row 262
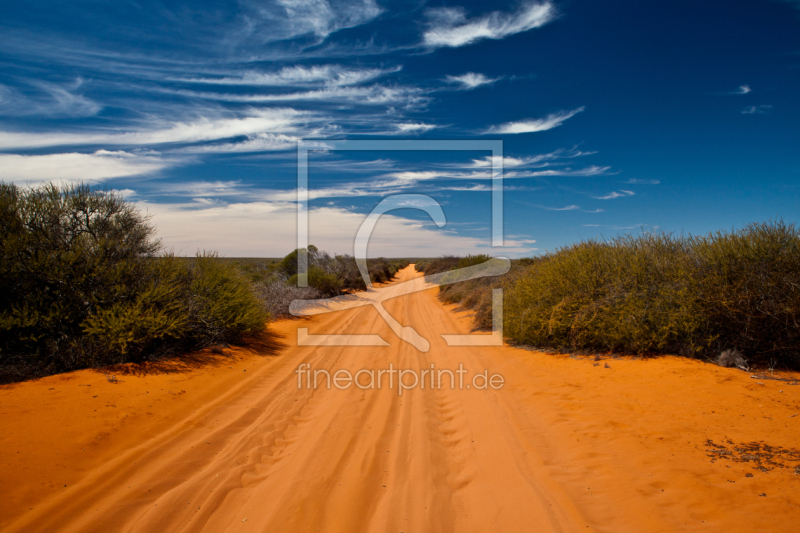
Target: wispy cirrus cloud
column 414, row 127
column 565, row 208
column 198, row 130
column 536, row 161
column 78, row 167
column 364, row 95
column 288, row 19
column 408, row 178
column 259, row 142
column 449, row 26
column 471, row 80
column 549, row 122
column 298, row 75
column 743, row 89
column 635, row 181
column 49, row 99
column 592, row 170
column 615, row 194
column 756, row 110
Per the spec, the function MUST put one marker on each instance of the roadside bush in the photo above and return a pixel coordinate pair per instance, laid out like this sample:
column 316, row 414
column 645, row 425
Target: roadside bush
column 148, row 324
column 335, row 275
column 326, row 284
column 476, row 294
column 440, row 264
column 82, row 284
column 653, row 293
column 222, row 306
column 657, row 293
column 277, row 295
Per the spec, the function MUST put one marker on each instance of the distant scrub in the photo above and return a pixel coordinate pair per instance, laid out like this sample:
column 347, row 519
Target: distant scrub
column 437, row 265
column 83, row 283
column 334, row 275
column 656, row 293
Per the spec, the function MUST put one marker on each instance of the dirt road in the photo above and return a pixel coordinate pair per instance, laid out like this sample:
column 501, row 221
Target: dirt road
column 566, row 444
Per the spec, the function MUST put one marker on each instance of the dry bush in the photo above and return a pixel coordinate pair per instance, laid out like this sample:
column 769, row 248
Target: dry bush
column 82, row 283
column 277, row 295
column 440, row 264
column 338, row 274
column 696, row 296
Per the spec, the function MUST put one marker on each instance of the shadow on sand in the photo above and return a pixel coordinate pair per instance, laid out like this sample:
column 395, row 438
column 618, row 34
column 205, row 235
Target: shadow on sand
column 268, row 343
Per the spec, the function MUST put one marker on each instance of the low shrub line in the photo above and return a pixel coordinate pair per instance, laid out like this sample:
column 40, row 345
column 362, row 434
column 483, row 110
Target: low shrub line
column 653, row 293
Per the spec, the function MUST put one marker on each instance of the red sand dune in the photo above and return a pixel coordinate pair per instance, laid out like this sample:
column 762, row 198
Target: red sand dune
column 229, row 443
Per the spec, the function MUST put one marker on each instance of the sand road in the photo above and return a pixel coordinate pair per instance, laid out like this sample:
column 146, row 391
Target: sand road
column 565, row 445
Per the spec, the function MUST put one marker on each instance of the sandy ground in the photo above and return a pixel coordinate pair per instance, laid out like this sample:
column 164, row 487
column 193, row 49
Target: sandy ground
column 229, row 443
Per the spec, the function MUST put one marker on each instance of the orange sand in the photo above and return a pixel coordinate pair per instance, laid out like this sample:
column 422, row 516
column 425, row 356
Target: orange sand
column 229, row 443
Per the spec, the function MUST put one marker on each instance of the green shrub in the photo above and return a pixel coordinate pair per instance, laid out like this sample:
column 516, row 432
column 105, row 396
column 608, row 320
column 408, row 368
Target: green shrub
column 327, row 284
column 440, row 264
column 472, row 260
column 334, row 275
column 658, row 293
column 81, row 284
column 66, row 252
column 222, row 306
column 146, row 327
column 288, row 264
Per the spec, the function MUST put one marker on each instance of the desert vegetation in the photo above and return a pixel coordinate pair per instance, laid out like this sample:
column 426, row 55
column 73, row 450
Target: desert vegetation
column 84, row 282
column 654, row 293
column 328, row 276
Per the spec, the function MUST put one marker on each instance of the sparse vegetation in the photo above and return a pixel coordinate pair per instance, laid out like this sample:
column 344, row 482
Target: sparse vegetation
column 655, row 293
column 333, row 275
column 84, row 283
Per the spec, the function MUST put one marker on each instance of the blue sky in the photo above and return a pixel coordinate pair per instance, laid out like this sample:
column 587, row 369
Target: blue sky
column 615, row 116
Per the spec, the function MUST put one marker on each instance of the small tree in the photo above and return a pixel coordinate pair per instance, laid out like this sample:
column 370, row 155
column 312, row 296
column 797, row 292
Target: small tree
column 66, row 251
column 82, row 284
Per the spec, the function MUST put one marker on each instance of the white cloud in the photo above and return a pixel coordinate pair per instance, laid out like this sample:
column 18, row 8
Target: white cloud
column 471, row 80
column 592, row 170
column 480, row 187
column 369, row 95
column 334, row 75
column 199, row 130
column 634, row 181
column 567, row 208
column 77, row 167
column 539, row 160
column 615, row 194
column 743, row 89
column 268, row 229
column 508, row 162
column 288, row 19
column 414, row 127
column 450, row 26
column 756, row 110
column 410, row 178
column 52, row 100
column 260, row 142
column 549, row 122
